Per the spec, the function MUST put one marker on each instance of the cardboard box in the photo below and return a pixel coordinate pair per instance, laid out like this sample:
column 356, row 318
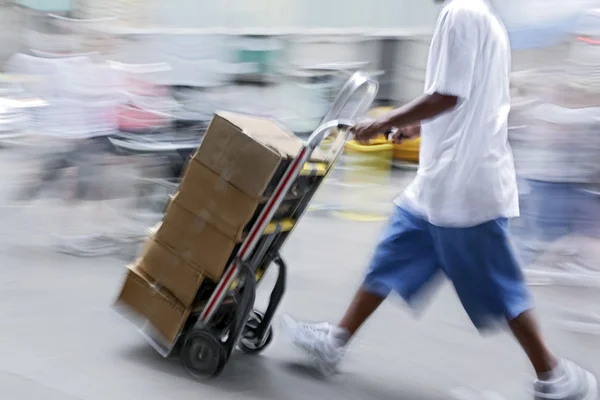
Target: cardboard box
column 215, row 201
column 248, row 152
column 195, row 241
column 147, row 302
column 222, row 205
column 170, row 271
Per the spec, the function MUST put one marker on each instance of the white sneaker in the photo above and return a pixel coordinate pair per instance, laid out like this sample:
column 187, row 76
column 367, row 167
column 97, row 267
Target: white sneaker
column 574, row 383
column 316, row 341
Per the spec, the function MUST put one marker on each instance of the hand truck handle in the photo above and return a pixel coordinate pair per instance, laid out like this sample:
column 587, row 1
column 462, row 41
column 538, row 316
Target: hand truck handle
column 355, row 98
column 358, row 84
column 322, row 132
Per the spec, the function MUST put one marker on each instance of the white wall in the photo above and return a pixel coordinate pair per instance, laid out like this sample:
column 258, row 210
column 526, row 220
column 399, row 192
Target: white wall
column 517, row 13
column 47, row 5
column 284, row 14
column 378, row 14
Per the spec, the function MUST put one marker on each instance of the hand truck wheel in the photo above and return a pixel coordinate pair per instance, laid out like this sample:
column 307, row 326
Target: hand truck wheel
column 202, row 354
column 250, row 343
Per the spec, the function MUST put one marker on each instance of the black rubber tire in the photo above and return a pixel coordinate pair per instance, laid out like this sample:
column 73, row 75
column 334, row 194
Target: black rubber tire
column 248, row 343
column 202, row 354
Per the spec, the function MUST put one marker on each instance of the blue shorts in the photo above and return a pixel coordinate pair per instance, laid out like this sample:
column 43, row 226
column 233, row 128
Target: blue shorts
column 479, row 261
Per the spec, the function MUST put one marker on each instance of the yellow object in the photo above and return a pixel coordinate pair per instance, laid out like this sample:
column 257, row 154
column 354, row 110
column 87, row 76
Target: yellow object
column 285, row 224
column 359, row 216
column 373, row 147
column 378, row 111
column 314, row 169
column 406, row 151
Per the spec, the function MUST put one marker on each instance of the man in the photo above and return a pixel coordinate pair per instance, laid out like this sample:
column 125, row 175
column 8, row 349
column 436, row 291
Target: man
column 453, row 217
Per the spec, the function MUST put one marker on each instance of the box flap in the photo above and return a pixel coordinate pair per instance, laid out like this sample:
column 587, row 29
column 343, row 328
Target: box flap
column 136, row 291
column 238, row 158
column 257, row 126
column 270, row 133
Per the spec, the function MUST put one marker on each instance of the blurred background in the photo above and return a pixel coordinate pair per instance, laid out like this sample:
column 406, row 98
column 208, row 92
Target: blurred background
column 103, row 101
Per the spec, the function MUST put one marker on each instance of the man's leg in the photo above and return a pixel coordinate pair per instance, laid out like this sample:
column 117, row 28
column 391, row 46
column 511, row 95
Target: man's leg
column 363, row 305
column 526, row 331
column 404, row 262
column 556, row 379
column 488, row 280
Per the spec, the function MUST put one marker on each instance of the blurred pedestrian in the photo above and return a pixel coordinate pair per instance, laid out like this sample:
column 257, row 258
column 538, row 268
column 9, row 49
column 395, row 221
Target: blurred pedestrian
column 560, row 167
column 453, row 217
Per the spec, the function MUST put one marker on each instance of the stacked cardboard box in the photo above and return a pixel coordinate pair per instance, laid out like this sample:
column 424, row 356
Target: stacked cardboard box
column 231, row 176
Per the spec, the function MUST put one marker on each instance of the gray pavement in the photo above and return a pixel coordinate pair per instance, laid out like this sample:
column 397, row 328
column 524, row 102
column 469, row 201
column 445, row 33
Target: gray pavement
column 61, row 340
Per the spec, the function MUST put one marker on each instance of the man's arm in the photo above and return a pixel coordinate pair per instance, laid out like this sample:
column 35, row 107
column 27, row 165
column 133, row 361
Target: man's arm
column 407, row 119
column 427, row 106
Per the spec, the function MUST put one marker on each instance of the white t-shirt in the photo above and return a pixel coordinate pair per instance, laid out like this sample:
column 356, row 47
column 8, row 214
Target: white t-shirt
column 466, row 172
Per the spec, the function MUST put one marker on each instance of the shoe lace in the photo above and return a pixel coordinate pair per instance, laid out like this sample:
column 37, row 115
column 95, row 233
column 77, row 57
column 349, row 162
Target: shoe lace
column 314, row 328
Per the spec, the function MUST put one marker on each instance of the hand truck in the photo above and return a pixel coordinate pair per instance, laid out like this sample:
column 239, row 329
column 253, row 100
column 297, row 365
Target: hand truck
column 227, row 319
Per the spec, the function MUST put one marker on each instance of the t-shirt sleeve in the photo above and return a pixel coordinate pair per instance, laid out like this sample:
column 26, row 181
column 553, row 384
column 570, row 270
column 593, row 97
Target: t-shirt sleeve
column 453, row 55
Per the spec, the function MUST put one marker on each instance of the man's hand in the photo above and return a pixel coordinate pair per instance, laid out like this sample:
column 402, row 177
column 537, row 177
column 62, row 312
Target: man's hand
column 367, row 129
column 407, row 132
